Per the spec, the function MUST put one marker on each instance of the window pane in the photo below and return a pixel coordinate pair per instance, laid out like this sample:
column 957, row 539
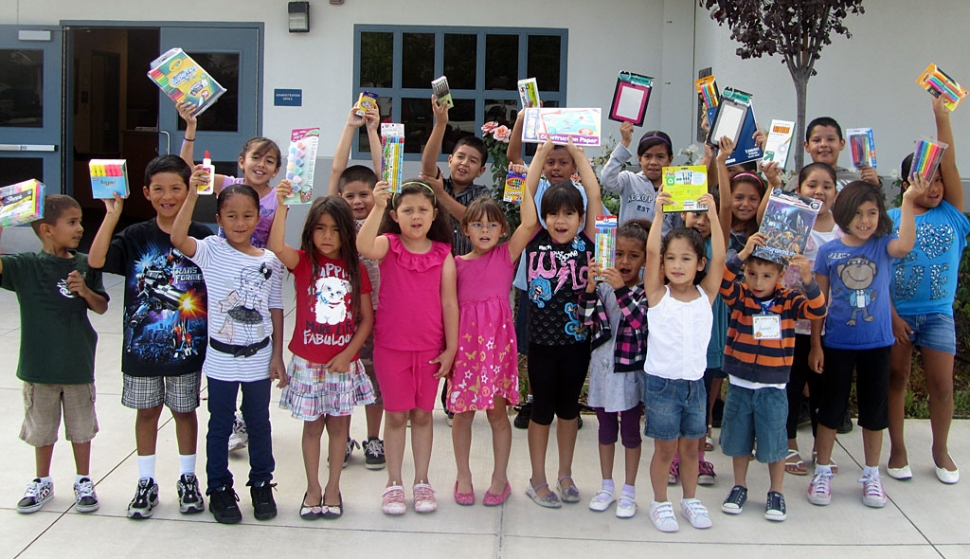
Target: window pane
column 502, row 111
column 461, row 122
column 544, row 57
column 384, row 103
column 502, row 62
column 418, row 120
column 376, row 59
column 418, row 60
column 223, row 115
column 19, row 169
column 21, row 89
column 461, row 60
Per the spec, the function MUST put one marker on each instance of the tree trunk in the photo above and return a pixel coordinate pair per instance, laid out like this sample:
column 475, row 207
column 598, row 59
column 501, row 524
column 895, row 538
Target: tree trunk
column 800, row 80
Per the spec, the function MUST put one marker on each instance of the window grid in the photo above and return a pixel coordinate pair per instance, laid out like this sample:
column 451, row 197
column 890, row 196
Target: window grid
column 479, row 94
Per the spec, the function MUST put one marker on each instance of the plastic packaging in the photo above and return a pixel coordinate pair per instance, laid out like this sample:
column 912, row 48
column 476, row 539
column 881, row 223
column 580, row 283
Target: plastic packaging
column 301, row 161
column 392, row 159
column 927, row 158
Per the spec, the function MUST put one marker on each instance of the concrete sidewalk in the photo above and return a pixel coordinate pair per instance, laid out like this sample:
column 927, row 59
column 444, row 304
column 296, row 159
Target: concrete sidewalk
column 924, row 518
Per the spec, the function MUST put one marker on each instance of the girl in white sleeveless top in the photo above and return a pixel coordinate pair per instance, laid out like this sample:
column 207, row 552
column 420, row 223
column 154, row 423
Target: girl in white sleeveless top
column 679, row 296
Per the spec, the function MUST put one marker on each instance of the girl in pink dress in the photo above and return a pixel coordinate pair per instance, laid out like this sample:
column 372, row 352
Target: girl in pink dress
column 486, row 371
column 416, row 326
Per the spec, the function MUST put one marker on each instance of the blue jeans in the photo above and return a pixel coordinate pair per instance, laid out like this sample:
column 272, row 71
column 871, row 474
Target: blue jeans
column 675, row 408
column 222, row 411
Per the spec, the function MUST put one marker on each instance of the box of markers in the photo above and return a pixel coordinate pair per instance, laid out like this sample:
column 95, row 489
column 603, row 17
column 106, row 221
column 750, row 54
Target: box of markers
column 862, row 145
column 605, row 241
column 182, row 79
column 21, row 203
column 392, row 158
column 108, row 176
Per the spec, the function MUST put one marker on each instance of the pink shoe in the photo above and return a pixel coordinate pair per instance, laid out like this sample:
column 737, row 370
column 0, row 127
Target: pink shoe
column 464, row 499
column 495, row 499
column 393, row 498
column 424, row 499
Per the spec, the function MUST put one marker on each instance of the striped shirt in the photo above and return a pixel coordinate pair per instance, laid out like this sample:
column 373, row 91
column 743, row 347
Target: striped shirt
column 460, row 243
column 242, row 289
column 764, row 361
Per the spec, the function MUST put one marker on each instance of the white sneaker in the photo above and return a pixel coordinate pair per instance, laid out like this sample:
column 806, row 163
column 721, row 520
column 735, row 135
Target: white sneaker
column 820, row 489
column 873, row 495
column 601, row 501
column 239, row 437
column 626, row 507
column 662, row 515
column 696, row 513
column 84, row 495
column 36, row 496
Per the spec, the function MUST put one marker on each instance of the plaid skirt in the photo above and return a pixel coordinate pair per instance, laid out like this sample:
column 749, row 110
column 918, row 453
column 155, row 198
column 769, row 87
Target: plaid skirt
column 312, row 392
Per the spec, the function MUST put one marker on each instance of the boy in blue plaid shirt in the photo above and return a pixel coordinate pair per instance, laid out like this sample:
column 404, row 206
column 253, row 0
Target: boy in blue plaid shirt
column 615, row 309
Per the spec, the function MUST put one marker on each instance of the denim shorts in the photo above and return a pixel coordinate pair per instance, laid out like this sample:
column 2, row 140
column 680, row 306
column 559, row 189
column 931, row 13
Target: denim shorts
column 933, row 331
column 675, row 408
column 759, row 414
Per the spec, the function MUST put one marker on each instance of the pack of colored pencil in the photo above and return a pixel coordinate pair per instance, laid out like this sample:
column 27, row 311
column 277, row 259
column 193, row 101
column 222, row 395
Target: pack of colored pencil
column 707, row 90
column 107, row 177
column 927, row 158
column 392, row 159
column 605, row 241
column 938, row 83
column 863, row 147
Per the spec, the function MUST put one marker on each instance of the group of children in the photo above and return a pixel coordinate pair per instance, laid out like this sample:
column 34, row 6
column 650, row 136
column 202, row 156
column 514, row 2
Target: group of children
column 685, row 305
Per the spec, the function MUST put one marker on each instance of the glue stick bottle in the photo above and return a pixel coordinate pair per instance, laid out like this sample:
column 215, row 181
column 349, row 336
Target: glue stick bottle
column 210, row 170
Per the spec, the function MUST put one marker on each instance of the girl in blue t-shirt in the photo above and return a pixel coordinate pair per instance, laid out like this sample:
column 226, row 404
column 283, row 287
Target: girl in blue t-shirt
column 923, row 290
column 858, row 329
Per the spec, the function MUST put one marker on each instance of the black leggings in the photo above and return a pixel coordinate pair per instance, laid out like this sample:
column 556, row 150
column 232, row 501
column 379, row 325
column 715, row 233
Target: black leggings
column 800, row 375
column 557, row 374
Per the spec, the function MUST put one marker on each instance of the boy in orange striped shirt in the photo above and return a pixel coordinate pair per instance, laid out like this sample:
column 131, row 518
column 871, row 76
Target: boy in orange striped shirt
column 757, row 358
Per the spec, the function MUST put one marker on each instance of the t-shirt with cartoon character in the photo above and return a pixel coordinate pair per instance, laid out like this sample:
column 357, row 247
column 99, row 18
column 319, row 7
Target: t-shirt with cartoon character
column 556, row 274
column 242, row 289
column 57, row 341
column 860, row 314
column 324, row 308
column 925, row 280
column 164, row 323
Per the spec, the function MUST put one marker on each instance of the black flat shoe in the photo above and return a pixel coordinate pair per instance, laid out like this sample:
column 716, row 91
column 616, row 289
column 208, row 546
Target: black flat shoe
column 331, row 512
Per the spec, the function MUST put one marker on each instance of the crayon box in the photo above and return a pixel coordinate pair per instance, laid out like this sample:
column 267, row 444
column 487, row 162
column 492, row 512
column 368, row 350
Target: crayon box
column 182, row 79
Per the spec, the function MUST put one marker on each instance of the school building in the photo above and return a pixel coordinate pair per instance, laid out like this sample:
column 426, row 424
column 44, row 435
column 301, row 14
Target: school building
column 73, row 82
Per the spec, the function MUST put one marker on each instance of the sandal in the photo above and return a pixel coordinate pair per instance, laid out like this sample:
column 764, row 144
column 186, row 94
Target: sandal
column 708, row 441
column 795, row 467
column 311, row 512
column 333, row 511
column 550, row 501
column 568, row 494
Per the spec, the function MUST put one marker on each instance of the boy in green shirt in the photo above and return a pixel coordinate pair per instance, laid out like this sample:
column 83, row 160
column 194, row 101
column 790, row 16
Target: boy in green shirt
column 55, row 289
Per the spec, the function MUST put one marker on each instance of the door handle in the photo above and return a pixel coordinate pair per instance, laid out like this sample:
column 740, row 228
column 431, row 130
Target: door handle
column 28, row 147
column 168, row 141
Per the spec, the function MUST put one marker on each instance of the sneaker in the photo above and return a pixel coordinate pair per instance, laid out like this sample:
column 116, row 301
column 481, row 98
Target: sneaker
column 705, row 473
column 239, row 437
column 190, row 498
column 820, row 489
column 579, row 422
column 393, row 501
column 264, row 506
column 374, row 454
column 145, row 500
column 351, row 443
column 626, row 507
column 873, row 495
column 696, row 513
column 775, row 507
column 84, row 495
column 424, row 499
column 36, row 496
column 734, row 504
column 662, row 515
column 521, row 420
column 222, row 505
column 674, row 476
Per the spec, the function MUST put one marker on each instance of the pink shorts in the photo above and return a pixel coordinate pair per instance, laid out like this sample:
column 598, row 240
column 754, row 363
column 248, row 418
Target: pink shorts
column 406, row 378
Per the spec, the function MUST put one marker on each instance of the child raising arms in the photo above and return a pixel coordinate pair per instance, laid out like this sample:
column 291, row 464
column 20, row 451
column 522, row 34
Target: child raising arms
column 244, row 286
column 680, row 320
column 416, row 334
column 616, row 311
column 485, row 375
column 333, row 318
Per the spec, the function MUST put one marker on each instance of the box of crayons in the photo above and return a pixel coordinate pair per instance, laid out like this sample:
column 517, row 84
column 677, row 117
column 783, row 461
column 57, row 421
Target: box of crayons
column 605, row 241
column 938, row 83
column 108, row 176
column 863, row 147
column 182, row 79
column 21, row 203
column 927, row 158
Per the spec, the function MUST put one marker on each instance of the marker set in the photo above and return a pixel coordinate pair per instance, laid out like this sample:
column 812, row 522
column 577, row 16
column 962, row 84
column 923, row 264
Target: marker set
column 927, row 158
column 605, row 241
column 182, row 79
column 938, row 83
column 862, row 146
column 392, row 158
column 21, row 203
column 707, row 90
column 108, row 176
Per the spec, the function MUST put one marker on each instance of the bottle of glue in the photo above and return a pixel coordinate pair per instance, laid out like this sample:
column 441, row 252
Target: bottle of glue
column 210, row 171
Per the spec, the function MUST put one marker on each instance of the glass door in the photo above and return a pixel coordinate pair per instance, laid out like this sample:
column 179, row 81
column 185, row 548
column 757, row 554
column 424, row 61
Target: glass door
column 30, row 105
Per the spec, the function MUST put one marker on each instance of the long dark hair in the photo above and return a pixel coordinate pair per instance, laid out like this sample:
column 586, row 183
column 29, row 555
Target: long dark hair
column 440, row 228
column 337, row 208
column 694, row 241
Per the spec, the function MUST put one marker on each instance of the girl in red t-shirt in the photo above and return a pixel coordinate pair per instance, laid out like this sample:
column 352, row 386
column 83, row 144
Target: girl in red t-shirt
column 333, row 318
